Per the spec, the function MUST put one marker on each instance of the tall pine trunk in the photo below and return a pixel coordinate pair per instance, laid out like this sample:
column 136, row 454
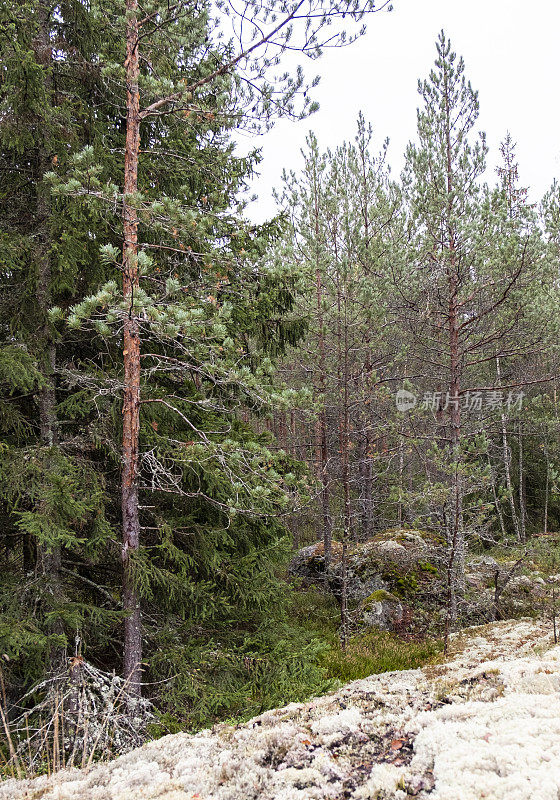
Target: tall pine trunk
column 344, row 447
column 132, row 656
column 507, row 461
column 547, row 489
column 456, row 545
column 522, row 490
column 497, row 505
column 324, row 448
column 401, row 477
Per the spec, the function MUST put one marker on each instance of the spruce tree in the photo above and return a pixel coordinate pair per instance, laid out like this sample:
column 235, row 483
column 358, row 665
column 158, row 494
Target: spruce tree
column 199, row 318
column 52, row 501
column 213, row 312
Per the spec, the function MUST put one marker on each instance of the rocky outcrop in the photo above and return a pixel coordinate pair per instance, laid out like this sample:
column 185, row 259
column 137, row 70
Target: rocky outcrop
column 398, row 571
column 485, row 724
column 501, row 589
column 362, row 579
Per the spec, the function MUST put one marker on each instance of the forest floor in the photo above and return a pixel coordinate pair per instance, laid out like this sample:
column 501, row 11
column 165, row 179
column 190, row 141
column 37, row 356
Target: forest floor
column 483, row 723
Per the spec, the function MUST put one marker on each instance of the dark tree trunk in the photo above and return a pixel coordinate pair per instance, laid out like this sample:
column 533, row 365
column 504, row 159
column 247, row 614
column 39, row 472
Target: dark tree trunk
column 324, row 451
column 507, row 461
column 368, row 520
column 522, row 489
column 344, row 599
column 48, row 558
column 546, row 490
column 456, row 545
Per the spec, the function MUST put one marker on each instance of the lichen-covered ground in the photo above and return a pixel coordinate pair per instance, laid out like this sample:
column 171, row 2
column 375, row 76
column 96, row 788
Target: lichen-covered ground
column 485, row 724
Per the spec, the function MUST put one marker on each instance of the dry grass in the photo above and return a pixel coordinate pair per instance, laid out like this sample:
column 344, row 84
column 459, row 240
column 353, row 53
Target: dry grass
column 64, row 723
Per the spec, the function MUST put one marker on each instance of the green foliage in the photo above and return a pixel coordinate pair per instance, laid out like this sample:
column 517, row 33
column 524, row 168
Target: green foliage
column 426, row 566
column 403, row 583
column 238, row 669
column 378, row 651
column 379, row 596
column 216, row 310
column 51, row 501
column 357, row 261
column 367, row 653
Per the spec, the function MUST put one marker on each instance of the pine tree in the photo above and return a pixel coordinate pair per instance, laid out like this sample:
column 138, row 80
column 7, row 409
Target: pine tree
column 341, row 209
column 464, row 284
column 213, row 312
column 186, row 266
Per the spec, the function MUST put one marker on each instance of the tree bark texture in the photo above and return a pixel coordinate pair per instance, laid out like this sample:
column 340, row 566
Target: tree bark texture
column 132, row 656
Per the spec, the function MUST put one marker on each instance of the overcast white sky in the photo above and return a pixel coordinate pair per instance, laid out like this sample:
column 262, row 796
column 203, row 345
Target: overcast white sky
column 512, row 55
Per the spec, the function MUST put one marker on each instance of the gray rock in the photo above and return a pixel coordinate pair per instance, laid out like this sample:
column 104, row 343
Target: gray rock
column 362, row 578
column 381, row 610
column 340, row 745
column 392, row 549
column 484, row 566
column 308, row 564
column 358, row 587
column 370, row 566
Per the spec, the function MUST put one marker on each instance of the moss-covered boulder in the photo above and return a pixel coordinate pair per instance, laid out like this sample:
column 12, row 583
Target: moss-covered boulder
column 524, row 595
column 308, row 564
column 498, row 589
column 406, row 565
column 480, row 571
column 381, row 610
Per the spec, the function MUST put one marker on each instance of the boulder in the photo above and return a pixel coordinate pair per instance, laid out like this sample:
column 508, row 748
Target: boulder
column 480, row 572
column 363, row 575
column 391, row 567
column 381, row 610
column 358, row 586
column 523, row 594
column 484, row 723
column 394, row 550
column 309, row 564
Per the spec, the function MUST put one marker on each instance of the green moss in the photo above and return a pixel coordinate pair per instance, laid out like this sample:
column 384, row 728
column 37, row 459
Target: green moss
column 367, row 565
column 380, row 596
column 403, row 584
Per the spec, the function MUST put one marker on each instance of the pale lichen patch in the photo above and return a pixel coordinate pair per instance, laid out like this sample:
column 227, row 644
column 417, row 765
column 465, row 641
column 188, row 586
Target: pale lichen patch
column 484, row 724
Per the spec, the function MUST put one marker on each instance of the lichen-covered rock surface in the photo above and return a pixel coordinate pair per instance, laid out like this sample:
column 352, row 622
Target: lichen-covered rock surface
column 484, row 724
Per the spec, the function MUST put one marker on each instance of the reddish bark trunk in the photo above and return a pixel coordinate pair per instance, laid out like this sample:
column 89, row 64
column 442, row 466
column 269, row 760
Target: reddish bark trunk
column 131, row 360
